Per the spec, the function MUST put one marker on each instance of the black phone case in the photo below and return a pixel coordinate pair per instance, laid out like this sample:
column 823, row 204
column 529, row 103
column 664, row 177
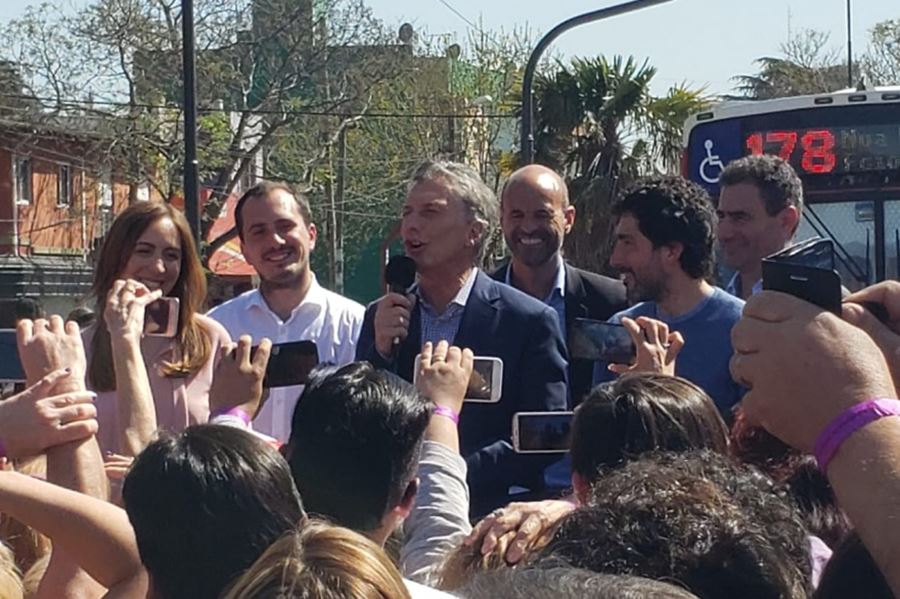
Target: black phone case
column 282, row 368
column 815, row 285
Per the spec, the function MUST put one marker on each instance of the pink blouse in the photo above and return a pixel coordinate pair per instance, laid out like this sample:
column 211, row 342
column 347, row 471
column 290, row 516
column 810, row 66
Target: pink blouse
column 180, row 402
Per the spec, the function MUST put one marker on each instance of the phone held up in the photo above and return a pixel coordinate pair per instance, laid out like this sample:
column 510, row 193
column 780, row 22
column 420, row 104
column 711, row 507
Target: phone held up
column 599, row 340
column 542, row 432
column 161, row 317
column 486, row 382
column 290, row 363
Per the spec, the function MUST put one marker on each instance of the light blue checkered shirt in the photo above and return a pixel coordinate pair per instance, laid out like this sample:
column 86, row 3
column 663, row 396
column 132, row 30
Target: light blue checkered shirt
column 437, row 327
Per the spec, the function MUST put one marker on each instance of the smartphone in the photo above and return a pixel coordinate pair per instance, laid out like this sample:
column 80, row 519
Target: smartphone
column 290, row 363
column 486, row 382
column 599, row 340
column 806, row 271
column 161, row 317
column 10, row 365
column 542, row 432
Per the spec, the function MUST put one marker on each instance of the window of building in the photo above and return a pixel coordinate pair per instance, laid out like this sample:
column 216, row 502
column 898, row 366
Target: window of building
column 22, row 177
column 106, row 191
column 64, row 186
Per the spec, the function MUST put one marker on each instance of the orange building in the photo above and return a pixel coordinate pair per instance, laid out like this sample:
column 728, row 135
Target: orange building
column 58, row 196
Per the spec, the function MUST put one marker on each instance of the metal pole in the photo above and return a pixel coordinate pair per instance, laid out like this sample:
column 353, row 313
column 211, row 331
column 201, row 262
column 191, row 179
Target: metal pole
column 527, row 142
column 191, row 191
column 849, row 49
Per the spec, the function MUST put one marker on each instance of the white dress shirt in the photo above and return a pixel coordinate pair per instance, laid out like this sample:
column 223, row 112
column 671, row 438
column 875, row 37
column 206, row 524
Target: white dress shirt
column 332, row 321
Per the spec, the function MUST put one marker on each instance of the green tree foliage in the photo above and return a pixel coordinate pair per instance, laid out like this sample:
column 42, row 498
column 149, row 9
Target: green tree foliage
column 597, row 121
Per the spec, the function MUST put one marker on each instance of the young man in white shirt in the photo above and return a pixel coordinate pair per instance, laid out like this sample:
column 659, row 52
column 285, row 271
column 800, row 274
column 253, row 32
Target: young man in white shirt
column 277, row 235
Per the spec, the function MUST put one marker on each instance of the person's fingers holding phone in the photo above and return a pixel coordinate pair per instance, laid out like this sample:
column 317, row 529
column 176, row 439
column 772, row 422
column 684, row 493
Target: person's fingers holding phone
column 652, row 344
column 883, row 335
column 443, row 374
column 125, row 309
column 238, row 378
column 882, row 301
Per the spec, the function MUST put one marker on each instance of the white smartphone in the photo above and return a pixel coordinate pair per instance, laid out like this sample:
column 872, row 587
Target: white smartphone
column 486, row 382
column 161, row 317
column 542, row 432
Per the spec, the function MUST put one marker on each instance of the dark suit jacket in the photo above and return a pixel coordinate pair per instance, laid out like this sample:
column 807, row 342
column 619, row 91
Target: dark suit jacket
column 503, row 322
column 588, row 295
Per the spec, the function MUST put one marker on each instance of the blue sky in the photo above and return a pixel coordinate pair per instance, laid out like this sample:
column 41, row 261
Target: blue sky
column 703, row 42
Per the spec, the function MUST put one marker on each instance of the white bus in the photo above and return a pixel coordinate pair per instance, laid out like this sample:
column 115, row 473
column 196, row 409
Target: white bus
column 846, row 148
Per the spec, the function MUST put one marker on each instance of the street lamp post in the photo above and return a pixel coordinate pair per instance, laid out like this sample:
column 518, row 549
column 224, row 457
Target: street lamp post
column 527, row 143
column 191, row 191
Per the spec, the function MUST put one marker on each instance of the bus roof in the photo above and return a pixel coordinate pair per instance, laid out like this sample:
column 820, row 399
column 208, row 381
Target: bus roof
column 740, row 108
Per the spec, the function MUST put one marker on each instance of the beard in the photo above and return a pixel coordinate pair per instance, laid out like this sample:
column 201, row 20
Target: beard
column 644, row 290
column 287, row 279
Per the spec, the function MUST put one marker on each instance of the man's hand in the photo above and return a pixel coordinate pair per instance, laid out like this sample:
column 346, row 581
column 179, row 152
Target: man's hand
column 533, row 523
column 443, row 374
column 238, row 380
column 886, row 335
column 34, row 420
column 45, row 346
column 125, row 308
column 656, row 347
column 803, row 366
column 392, row 321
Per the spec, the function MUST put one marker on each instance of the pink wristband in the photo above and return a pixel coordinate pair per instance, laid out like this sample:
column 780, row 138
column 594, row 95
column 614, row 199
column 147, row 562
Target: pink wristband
column 847, row 423
column 237, row 412
column 447, row 412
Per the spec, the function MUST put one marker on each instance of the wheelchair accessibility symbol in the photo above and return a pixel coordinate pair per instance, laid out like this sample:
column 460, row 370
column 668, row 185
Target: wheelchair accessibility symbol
column 711, row 167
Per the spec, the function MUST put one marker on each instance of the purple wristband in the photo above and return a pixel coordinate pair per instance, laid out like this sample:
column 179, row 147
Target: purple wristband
column 847, row 423
column 447, row 412
column 238, row 412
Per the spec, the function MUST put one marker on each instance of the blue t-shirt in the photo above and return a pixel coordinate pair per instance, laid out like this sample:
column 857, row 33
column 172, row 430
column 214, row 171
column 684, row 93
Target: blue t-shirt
column 707, row 345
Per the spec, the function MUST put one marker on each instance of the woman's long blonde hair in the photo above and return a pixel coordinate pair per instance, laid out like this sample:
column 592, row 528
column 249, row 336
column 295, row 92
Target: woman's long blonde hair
column 321, row 561
column 192, row 340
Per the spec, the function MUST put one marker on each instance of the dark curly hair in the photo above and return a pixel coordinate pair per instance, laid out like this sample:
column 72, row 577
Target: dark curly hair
column 776, row 180
column 720, row 529
column 669, row 210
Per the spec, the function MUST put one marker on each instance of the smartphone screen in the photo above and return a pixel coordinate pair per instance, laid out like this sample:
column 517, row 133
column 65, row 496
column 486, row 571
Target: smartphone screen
column 486, row 381
column 161, row 317
column 290, row 363
column 599, row 340
column 542, row 432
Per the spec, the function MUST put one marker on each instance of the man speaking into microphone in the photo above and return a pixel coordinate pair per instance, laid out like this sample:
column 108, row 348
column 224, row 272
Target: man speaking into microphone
column 446, row 222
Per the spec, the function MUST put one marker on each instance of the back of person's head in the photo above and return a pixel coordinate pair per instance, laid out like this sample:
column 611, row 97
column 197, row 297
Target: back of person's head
column 776, row 180
column 806, row 484
column 851, row 572
column 663, row 517
column 354, row 446
column 28, row 308
column 637, row 413
column 204, row 505
column 321, row 561
column 561, row 582
column 670, row 209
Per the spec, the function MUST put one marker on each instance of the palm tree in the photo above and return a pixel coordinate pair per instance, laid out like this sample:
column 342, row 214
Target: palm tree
column 597, row 122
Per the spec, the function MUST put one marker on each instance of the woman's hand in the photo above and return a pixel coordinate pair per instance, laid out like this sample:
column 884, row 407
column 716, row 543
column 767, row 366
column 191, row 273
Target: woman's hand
column 125, row 306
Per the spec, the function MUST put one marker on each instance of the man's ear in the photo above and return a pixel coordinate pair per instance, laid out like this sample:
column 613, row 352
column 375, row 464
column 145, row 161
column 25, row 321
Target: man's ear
column 404, row 508
column 313, row 233
column 476, row 232
column 569, row 216
column 671, row 253
column 789, row 220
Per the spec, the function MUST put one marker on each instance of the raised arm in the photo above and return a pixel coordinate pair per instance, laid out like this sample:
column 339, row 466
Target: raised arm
column 805, row 368
column 46, row 346
column 124, row 316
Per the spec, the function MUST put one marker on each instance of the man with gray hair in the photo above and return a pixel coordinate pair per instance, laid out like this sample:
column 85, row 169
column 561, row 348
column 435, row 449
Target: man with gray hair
column 446, row 222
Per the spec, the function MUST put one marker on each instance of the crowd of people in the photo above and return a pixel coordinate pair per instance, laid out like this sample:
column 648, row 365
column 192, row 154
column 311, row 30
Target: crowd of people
column 749, row 449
